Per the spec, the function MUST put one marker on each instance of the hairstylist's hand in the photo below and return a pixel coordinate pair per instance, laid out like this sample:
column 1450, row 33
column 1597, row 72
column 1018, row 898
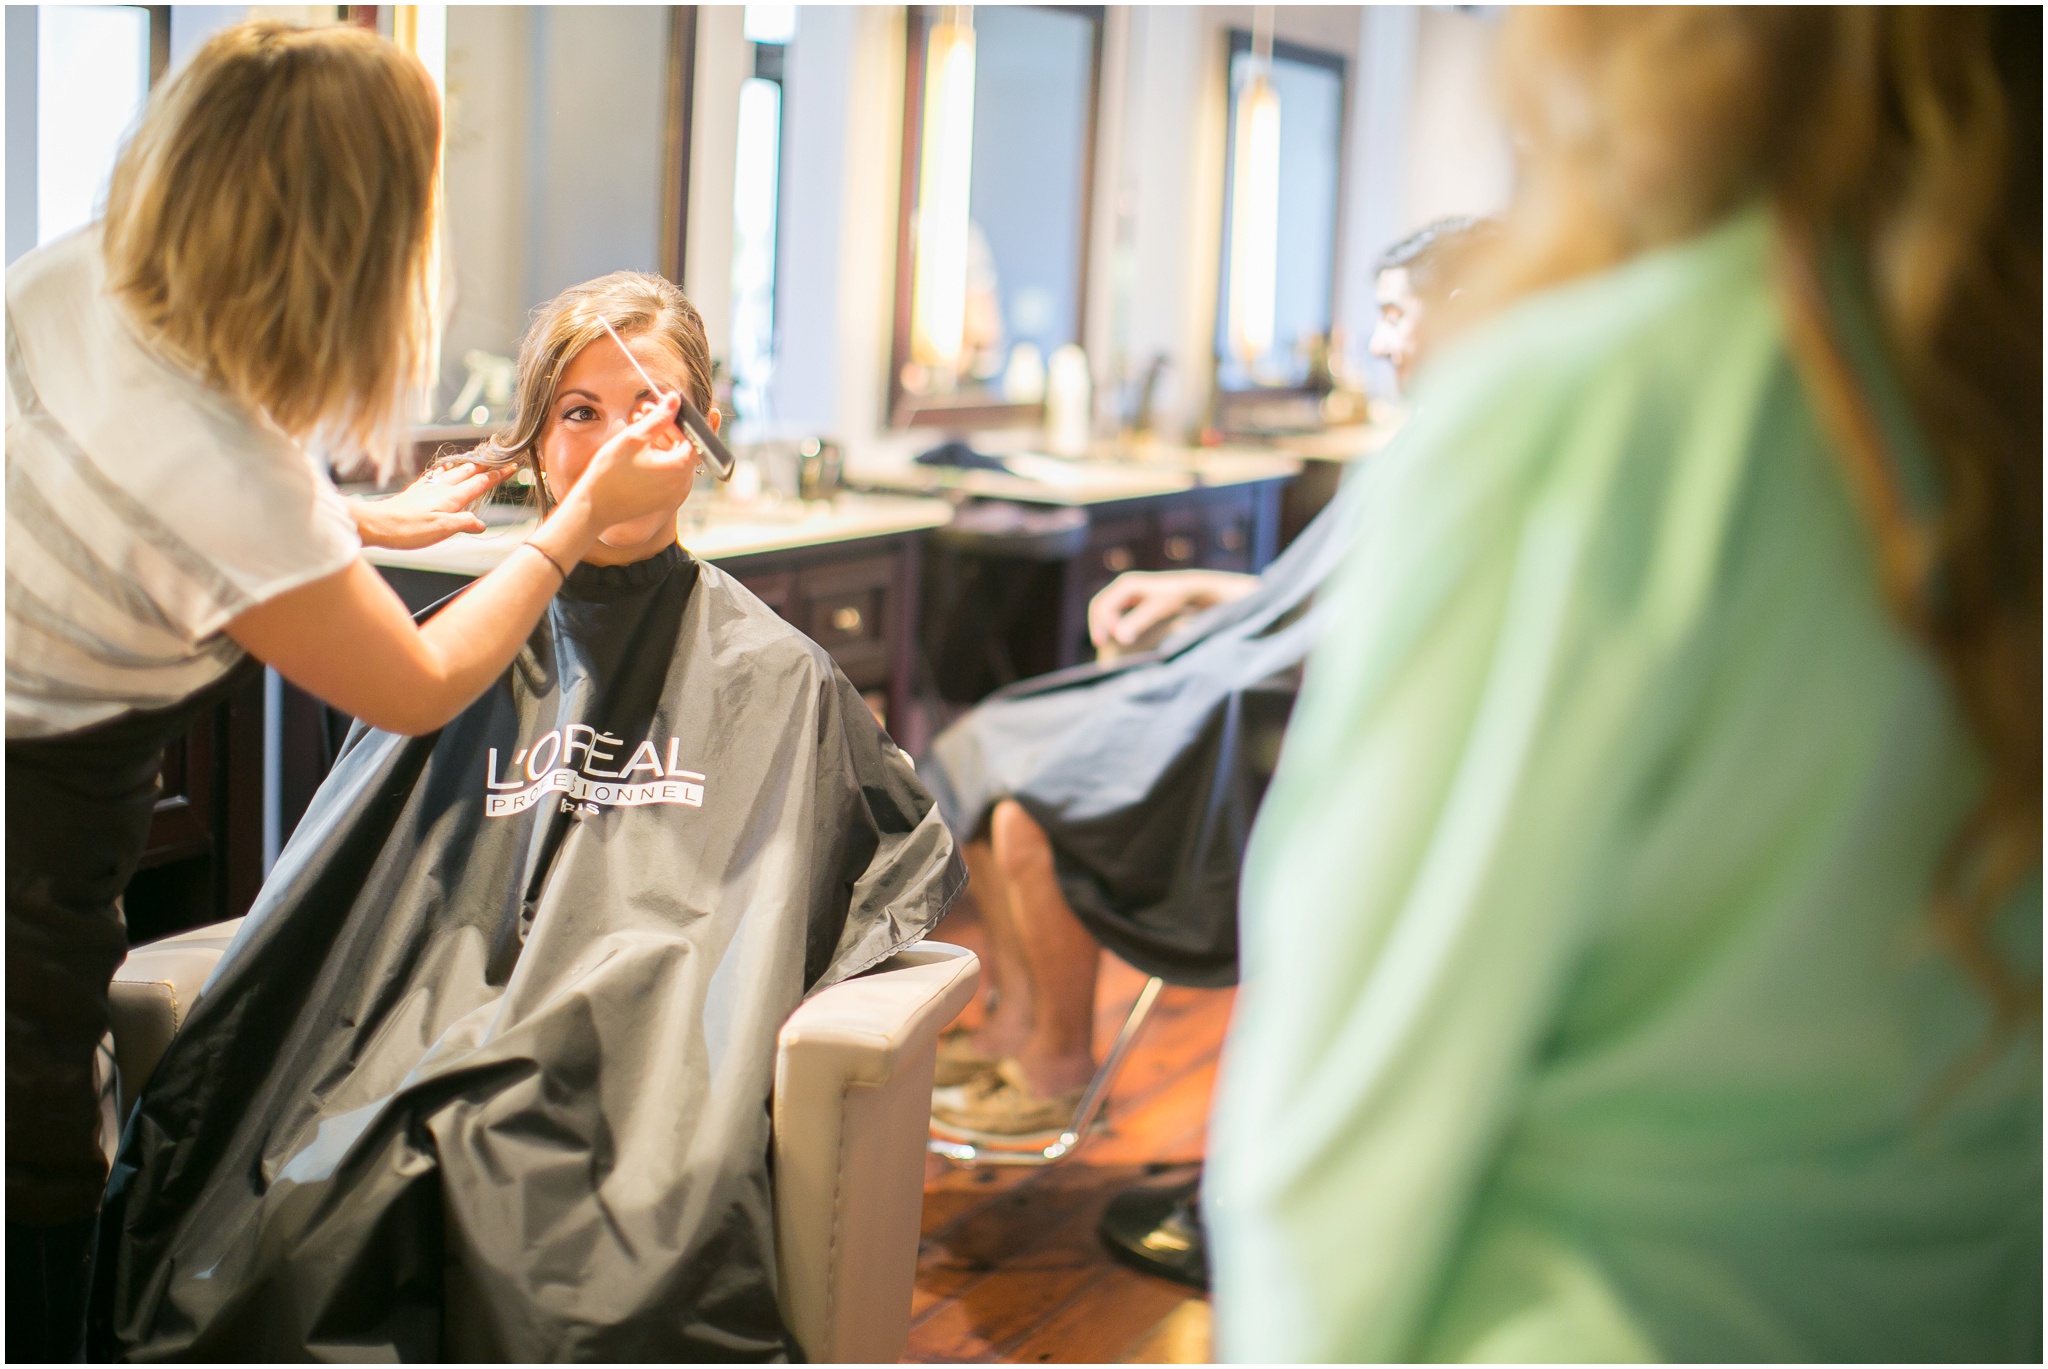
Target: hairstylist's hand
column 646, row 468
column 432, row 508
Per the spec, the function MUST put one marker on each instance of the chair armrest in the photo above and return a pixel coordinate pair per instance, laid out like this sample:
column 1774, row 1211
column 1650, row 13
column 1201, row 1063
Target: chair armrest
column 152, row 995
column 853, row 1082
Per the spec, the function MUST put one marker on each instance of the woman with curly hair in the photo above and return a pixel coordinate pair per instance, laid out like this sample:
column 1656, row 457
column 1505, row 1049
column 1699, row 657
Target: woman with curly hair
column 1642, row 933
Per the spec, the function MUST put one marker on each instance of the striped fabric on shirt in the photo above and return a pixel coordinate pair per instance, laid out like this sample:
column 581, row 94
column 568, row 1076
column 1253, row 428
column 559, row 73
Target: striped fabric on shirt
column 96, row 586
column 138, row 526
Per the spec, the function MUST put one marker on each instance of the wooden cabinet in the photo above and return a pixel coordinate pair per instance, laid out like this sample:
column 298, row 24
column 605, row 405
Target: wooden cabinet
column 204, row 860
column 1000, row 618
column 1213, row 530
column 1117, row 542
column 857, row 600
column 1232, row 527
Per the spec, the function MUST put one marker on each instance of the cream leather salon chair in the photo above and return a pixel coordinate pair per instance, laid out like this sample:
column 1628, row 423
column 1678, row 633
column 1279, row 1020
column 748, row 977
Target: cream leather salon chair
column 853, row 1084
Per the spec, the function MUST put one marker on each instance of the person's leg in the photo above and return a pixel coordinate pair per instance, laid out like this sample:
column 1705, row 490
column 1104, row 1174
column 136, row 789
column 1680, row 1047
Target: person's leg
column 1059, row 956
column 1007, row 1022
column 49, row 1277
column 59, row 962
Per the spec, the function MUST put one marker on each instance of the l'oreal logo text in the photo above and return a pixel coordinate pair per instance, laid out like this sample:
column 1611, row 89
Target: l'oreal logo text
column 550, row 766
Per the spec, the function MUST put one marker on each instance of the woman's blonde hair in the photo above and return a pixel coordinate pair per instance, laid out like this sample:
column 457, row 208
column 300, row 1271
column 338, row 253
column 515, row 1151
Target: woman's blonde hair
column 633, row 302
column 271, row 227
column 1910, row 137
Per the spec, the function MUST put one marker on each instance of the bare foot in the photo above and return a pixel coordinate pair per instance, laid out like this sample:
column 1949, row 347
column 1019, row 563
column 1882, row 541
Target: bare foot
column 1002, row 1033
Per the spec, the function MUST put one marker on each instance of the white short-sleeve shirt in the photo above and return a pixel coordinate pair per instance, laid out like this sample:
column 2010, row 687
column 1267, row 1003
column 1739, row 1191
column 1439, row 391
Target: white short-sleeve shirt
column 144, row 508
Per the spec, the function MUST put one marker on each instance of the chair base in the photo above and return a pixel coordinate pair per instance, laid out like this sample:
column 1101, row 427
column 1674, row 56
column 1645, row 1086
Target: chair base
column 1038, row 1148
column 1158, row 1231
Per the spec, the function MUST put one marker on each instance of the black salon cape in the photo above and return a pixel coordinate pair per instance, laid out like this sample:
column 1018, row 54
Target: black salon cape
column 1146, row 773
column 473, row 1086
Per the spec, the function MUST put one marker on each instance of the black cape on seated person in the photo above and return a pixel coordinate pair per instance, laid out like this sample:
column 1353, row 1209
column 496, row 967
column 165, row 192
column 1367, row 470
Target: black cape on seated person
column 1146, row 773
column 487, row 1072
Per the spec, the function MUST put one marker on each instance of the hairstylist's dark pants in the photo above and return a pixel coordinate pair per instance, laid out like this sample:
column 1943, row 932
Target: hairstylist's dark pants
column 78, row 812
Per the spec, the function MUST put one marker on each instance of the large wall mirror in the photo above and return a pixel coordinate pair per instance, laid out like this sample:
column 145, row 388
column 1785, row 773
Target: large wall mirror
column 568, row 136
column 1284, row 154
column 998, row 157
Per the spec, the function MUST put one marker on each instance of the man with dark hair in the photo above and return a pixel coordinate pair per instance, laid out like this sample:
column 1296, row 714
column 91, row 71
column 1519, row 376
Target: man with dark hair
column 1109, row 806
column 1411, row 271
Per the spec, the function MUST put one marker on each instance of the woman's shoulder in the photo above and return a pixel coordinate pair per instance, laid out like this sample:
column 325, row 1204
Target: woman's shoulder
column 1651, row 323
column 784, row 663
column 99, row 376
column 772, row 641
column 134, row 454
column 1672, row 353
column 43, row 278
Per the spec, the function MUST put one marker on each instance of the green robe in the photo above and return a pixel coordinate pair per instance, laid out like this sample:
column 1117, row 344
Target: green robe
column 1591, row 1008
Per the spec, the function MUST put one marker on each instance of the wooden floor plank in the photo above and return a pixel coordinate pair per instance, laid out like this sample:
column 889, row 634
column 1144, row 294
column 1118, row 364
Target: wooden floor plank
column 1111, row 1316
column 1010, row 1267
column 950, row 1191
column 1182, row 1036
column 995, row 1311
column 1186, row 1335
column 1170, row 1128
column 1011, row 1230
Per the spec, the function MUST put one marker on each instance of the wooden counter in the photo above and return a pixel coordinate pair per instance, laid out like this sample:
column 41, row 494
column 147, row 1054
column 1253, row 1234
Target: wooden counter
column 1036, row 478
column 711, row 532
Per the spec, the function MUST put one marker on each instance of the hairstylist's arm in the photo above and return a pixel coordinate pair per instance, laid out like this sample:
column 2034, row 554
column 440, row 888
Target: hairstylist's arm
column 348, row 639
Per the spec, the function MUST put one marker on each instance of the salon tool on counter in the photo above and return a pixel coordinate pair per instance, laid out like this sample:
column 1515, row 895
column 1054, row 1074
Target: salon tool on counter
column 820, row 466
column 688, row 421
column 956, row 453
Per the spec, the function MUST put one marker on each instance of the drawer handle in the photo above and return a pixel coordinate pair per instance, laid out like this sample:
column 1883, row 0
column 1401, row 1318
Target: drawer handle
column 846, row 619
column 1232, row 539
column 1180, row 549
column 1118, row 560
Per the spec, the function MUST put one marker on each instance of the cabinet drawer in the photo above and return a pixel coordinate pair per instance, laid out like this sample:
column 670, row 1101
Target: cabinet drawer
column 1115, row 545
column 847, row 608
column 1183, row 537
column 1229, row 528
column 853, row 624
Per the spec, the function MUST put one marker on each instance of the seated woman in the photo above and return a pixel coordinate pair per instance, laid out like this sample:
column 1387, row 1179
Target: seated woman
column 486, row 1073
column 1110, row 806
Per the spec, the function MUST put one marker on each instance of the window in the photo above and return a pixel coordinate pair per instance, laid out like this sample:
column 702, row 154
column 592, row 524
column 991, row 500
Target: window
column 92, row 76
column 992, row 264
column 1280, row 214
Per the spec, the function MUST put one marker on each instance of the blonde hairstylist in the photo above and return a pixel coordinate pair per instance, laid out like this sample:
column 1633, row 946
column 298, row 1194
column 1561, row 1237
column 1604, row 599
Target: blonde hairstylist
column 260, row 279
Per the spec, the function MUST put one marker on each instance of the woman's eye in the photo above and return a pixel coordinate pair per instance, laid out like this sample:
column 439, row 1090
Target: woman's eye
column 582, row 413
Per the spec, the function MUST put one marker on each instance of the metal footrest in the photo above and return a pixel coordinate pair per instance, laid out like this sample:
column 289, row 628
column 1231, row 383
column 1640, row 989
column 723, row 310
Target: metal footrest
column 1042, row 1149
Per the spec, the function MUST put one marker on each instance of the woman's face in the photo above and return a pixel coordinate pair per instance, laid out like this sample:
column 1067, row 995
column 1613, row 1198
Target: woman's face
column 599, row 394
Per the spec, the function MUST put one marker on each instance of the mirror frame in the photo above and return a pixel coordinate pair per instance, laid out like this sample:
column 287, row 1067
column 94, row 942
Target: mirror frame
column 676, row 125
column 962, row 415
